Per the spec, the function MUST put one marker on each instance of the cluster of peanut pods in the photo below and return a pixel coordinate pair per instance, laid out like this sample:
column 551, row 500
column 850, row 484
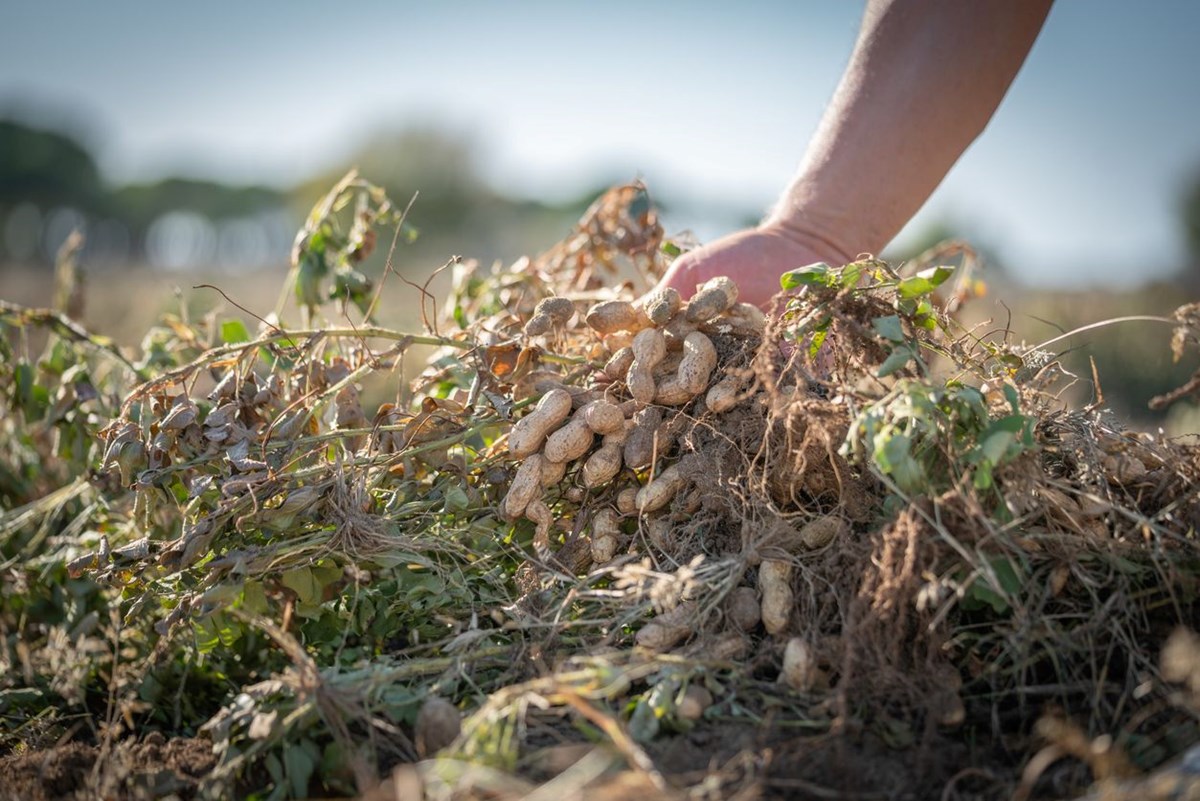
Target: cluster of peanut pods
column 661, row 356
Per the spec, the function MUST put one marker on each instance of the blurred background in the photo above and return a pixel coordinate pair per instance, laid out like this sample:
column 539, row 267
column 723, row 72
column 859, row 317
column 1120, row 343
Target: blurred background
column 188, row 141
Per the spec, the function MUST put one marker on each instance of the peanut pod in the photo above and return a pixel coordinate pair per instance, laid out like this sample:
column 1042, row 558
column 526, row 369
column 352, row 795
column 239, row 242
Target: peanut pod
column 742, row 608
column 530, row 431
column 676, row 331
column 552, row 472
column 603, row 465
column 775, row 583
column 649, row 348
column 661, row 305
column 604, row 417
column 695, row 701
column 712, row 297
column 540, row 513
column 614, row 315
column 627, row 501
column 799, row 666
column 696, row 367
column 569, row 442
column 525, row 487
column 606, row 536
column 669, row 629
column 723, row 395
column 639, row 445
column 745, row 318
column 616, row 367
column 822, row 531
column 549, row 313
column 659, row 492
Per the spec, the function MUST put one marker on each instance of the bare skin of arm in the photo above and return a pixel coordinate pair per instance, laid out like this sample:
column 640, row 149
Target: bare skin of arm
column 923, row 81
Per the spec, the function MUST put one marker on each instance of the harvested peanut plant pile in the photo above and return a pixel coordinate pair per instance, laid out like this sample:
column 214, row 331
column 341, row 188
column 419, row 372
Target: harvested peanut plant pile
column 843, row 548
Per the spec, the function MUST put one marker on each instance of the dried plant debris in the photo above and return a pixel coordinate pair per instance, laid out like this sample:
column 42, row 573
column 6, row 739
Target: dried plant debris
column 596, row 515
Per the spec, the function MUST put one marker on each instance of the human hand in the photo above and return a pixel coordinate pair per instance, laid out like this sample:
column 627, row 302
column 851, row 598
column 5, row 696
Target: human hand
column 754, row 259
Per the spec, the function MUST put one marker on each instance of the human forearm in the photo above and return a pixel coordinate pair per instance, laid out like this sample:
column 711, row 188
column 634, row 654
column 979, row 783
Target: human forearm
column 922, row 83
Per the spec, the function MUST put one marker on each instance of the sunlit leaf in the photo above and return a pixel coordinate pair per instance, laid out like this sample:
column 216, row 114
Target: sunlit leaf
column 815, row 343
column 818, row 274
column 234, row 330
column 923, row 282
column 851, row 274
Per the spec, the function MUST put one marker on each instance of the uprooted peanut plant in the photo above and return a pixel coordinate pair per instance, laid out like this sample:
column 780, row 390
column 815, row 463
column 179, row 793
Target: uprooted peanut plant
column 596, row 515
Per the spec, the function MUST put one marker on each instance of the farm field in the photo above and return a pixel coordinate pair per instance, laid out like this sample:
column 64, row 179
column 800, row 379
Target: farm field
column 554, row 537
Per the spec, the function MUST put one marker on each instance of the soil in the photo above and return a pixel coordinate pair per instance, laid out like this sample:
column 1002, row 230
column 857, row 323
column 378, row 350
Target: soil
column 133, row 771
column 776, row 763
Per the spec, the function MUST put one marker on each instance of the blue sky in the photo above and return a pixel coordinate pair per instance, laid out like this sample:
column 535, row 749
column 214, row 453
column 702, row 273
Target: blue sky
column 1077, row 178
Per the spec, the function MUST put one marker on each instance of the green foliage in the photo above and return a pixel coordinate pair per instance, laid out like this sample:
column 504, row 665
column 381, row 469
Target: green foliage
column 925, row 438
column 824, row 288
column 331, row 246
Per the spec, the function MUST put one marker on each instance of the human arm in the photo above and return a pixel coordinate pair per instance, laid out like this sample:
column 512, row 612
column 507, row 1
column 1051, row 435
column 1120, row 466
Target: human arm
column 923, row 80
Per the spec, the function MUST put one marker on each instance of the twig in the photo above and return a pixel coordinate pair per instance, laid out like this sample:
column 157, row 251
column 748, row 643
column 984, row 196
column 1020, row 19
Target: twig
column 233, row 302
column 1133, row 318
column 65, row 327
column 387, row 264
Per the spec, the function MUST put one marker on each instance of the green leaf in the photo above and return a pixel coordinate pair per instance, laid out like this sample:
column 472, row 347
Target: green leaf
column 33, row 398
column 456, row 499
column 234, row 331
column 851, row 274
column 818, row 274
column 818, row 339
column 889, row 328
column 894, row 457
column 983, row 592
column 900, row 356
column 923, row 282
column 669, row 248
column 254, row 598
column 206, row 635
column 1012, row 361
column 995, row 446
column 298, row 766
column 301, row 581
column 350, row 284
column 325, row 574
column 1014, row 400
column 1001, row 440
column 19, row 696
column 308, row 278
column 61, row 357
column 643, row 723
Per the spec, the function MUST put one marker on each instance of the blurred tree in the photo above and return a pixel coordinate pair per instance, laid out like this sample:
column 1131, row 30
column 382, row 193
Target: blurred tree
column 456, row 211
column 441, row 165
column 139, row 205
column 1190, row 212
column 47, row 168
